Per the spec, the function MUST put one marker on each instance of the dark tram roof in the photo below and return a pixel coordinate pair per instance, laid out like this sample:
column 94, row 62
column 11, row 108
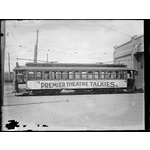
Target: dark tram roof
column 73, row 65
column 69, row 66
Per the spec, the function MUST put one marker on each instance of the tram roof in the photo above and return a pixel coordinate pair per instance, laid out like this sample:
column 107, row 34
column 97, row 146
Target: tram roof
column 70, row 67
column 74, row 65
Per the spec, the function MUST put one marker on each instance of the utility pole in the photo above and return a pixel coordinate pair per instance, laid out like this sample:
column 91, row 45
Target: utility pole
column 36, row 49
column 47, row 58
column 3, row 44
column 9, row 67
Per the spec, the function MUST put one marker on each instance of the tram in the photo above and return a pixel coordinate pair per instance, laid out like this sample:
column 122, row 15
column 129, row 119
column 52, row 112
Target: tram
column 50, row 78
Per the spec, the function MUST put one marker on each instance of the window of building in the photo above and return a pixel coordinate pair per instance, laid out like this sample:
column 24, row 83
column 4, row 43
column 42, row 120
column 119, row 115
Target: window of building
column 31, row 75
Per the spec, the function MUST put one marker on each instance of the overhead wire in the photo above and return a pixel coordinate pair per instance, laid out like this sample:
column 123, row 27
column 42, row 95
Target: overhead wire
column 13, row 35
column 111, row 29
column 20, row 32
column 39, row 49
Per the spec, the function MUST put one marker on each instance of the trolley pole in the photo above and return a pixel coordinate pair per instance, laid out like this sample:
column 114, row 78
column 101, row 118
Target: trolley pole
column 9, row 67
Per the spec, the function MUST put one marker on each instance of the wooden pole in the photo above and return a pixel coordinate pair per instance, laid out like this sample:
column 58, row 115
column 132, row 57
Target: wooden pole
column 3, row 43
column 47, row 58
column 9, row 67
column 36, row 48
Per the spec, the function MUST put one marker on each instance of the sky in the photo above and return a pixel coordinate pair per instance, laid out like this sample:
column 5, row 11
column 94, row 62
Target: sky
column 67, row 41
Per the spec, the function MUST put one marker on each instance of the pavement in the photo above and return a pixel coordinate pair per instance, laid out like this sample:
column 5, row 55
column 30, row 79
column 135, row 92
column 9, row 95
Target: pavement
column 72, row 112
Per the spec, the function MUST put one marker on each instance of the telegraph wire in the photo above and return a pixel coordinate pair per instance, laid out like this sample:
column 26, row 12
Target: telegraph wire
column 21, row 33
column 13, row 35
column 39, row 49
column 111, row 29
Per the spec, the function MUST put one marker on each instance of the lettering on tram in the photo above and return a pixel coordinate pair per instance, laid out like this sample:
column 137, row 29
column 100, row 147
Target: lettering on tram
column 47, row 85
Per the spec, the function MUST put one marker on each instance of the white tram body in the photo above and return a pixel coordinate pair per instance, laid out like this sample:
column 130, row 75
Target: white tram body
column 57, row 77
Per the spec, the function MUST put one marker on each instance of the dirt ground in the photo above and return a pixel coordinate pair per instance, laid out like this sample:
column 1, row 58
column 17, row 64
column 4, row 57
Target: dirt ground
column 73, row 112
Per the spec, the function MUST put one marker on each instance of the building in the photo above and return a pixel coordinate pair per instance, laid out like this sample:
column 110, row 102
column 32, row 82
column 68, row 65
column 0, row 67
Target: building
column 131, row 54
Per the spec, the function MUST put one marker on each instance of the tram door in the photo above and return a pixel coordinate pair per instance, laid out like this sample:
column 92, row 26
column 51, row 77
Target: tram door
column 131, row 79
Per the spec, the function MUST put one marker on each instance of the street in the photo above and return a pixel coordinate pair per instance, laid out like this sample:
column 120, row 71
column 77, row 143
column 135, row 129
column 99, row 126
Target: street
column 73, row 112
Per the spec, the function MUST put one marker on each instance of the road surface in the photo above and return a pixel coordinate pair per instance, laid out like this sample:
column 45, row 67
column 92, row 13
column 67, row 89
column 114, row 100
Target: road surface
column 73, row 112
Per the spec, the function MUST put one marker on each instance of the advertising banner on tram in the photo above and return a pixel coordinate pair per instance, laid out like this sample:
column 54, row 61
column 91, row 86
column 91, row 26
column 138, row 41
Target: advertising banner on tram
column 76, row 84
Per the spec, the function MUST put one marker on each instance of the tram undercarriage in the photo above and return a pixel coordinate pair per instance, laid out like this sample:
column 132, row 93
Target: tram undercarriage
column 24, row 91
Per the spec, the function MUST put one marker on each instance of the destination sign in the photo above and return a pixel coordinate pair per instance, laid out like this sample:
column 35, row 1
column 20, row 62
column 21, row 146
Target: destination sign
column 75, row 84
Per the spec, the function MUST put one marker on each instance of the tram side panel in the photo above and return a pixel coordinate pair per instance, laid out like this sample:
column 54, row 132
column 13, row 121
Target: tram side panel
column 78, row 84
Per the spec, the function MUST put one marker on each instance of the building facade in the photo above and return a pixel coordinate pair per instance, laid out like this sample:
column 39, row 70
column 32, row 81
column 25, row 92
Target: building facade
column 132, row 54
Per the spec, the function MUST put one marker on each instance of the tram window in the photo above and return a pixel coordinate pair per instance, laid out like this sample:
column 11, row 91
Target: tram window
column 62, row 75
column 46, row 75
column 20, row 76
column 121, row 74
column 102, row 74
column 57, row 75
column 105, row 74
column 38, row 75
column 125, row 74
column 117, row 75
column 90, row 74
column 77, row 75
column 31, row 75
column 69, row 75
column 96, row 75
column 131, row 74
column 114, row 74
column 53, row 75
column 83, row 75
column 110, row 74
column 24, row 76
